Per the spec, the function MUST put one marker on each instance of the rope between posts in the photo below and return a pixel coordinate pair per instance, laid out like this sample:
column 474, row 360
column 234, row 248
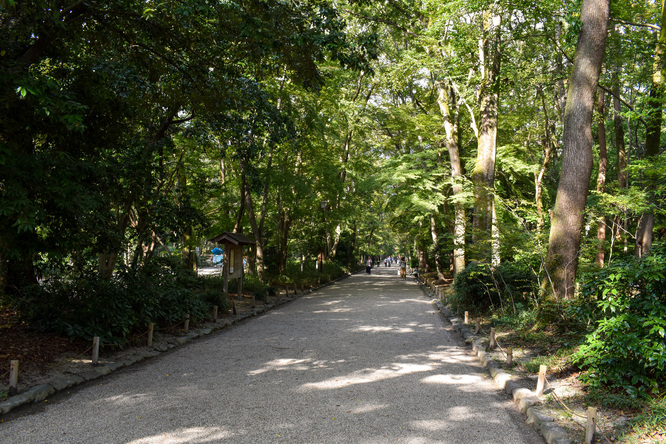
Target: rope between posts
column 129, row 341
column 562, row 402
column 500, row 347
column 596, row 423
column 85, row 352
column 171, row 327
column 601, row 431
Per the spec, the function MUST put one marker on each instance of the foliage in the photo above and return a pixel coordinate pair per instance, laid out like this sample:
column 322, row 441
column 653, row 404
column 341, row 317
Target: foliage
column 251, row 285
column 651, row 418
column 506, row 288
column 161, row 292
column 627, row 350
column 309, row 276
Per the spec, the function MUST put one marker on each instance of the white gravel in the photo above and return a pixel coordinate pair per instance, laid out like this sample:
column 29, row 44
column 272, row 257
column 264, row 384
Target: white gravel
column 365, row 360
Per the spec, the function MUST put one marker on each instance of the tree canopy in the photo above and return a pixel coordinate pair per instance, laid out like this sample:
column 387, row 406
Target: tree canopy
column 327, row 132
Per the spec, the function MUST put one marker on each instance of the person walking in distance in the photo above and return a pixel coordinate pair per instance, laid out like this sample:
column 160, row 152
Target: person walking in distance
column 403, row 268
column 368, row 265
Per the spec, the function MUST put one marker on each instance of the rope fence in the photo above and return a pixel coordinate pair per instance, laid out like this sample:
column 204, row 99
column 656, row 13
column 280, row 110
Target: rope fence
column 592, row 423
column 12, row 373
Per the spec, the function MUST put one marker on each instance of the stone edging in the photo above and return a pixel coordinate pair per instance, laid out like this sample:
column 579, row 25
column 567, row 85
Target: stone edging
column 523, row 397
column 41, row 392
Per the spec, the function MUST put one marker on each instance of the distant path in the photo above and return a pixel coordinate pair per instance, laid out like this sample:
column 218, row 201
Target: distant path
column 365, row 360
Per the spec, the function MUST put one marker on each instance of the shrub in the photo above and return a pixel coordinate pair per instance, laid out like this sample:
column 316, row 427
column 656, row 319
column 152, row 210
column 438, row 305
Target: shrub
column 478, row 288
column 251, row 285
column 627, row 350
column 161, row 292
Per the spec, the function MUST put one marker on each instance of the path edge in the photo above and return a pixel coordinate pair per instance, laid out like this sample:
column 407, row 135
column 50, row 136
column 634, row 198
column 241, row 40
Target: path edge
column 41, row 392
column 525, row 399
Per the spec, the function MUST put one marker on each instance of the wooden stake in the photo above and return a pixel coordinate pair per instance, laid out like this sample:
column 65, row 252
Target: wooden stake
column 254, row 301
column 466, row 317
column 542, row 380
column 95, row 350
column 233, row 308
column 215, row 313
column 151, row 329
column 591, row 424
column 509, row 356
column 13, row 376
column 478, row 327
column 187, row 323
column 491, row 346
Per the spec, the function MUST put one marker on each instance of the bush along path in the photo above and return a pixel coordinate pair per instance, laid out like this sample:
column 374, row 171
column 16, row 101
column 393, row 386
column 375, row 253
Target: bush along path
column 557, row 407
column 76, row 370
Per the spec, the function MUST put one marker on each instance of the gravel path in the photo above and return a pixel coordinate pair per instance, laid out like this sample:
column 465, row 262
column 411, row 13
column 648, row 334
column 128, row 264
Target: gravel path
column 365, row 360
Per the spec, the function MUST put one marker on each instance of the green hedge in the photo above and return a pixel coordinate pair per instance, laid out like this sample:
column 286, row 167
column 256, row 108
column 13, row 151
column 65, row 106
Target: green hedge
column 161, row 292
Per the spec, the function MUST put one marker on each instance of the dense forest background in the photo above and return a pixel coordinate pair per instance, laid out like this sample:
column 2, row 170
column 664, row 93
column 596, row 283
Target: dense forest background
column 515, row 146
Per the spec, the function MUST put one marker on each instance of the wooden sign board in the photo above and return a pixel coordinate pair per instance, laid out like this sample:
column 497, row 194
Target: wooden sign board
column 235, row 253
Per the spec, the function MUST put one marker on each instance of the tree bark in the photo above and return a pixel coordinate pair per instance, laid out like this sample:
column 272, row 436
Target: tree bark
column 621, row 150
column 283, row 227
column 567, row 220
column 653, row 135
column 483, row 175
column 547, row 149
column 446, row 101
column 259, row 244
column 601, row 177
column 436, row 247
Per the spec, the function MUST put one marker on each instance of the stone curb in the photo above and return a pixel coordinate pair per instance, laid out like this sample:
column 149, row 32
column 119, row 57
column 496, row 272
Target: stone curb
column 42, row 392
column 524, row 398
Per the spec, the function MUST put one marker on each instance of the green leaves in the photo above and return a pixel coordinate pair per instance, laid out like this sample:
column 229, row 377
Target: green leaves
column 628, row 348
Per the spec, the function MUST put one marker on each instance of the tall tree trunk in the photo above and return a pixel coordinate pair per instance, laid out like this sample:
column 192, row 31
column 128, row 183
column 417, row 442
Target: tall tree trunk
column 259, row 244
column 601, row 177
column 351, row 263
column 621, row 150
column 333, row 248
column 483, row 175
column 547, row 149
column 436, row 247
column 283, row 227
column 653, row 135
column 446, row 101
column 567, row 220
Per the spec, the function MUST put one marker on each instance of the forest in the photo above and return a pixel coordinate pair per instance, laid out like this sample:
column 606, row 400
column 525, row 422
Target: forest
column 513, row 147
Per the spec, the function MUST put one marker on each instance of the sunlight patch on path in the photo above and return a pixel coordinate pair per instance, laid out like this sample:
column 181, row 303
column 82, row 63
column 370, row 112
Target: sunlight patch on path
column 189, row 435
column 367, row 376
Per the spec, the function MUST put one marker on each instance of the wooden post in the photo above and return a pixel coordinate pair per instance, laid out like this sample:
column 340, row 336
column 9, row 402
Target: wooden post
column 491, row 346
column 509, row 356
column 225, row 273
column 186, row 327
column 13, row 376
column 233, row 307
column 215, row 313
column 591, row 424
column 254, row 301
column 240, row 284
column 95, row 350
column 478, row 327
column 466, row 317
column 542, row 380
column 151, row 329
